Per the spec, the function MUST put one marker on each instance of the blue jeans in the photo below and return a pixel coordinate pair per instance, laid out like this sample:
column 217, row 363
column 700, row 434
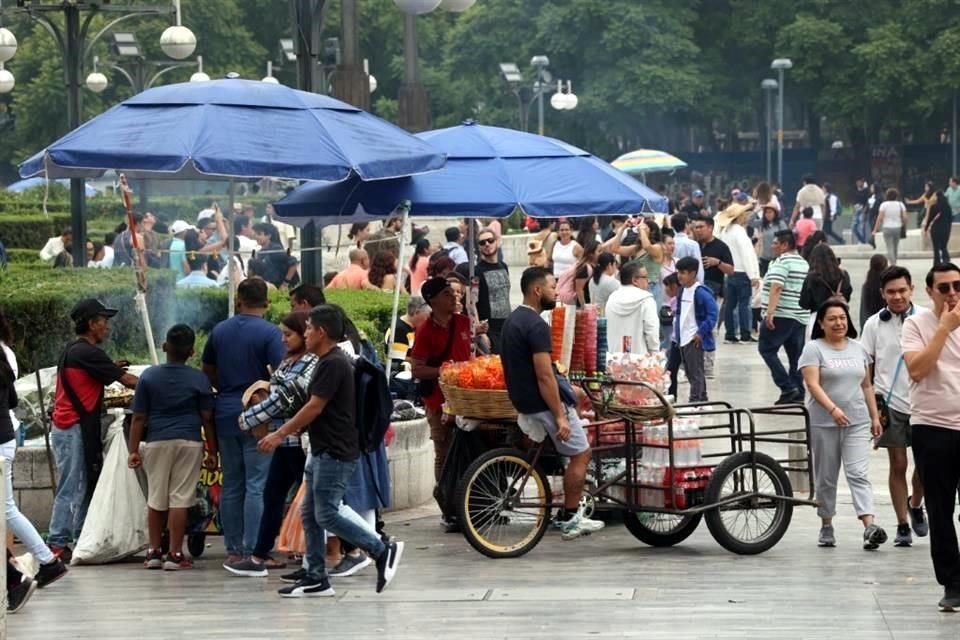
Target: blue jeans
column 738, row 294
column 327, row 479
column 789, row 334
column 70, row 503
column 241, row 500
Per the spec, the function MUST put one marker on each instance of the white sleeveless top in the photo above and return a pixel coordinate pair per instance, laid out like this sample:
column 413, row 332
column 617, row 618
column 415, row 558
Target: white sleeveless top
column 563, row 257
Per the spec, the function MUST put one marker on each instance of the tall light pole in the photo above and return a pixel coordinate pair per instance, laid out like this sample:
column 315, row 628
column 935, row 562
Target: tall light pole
column 780, row 65
column 953, row 136
column 177, row 41
column 769, row 85
column 540, row 63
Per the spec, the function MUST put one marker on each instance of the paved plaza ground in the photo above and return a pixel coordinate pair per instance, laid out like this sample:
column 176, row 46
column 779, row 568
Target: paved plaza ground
column 606, row 586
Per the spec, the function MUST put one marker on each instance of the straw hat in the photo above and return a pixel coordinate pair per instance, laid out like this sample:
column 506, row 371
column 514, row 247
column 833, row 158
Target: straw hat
column 259, row 385
column 732, row 214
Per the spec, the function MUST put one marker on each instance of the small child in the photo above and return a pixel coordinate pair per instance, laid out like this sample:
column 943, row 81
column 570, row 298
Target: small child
column 805, row 226
column 171, row 403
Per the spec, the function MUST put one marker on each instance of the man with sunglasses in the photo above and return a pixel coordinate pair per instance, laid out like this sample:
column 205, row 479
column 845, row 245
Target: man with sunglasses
column 881, row 339
column 493, row 297
column 931, row 350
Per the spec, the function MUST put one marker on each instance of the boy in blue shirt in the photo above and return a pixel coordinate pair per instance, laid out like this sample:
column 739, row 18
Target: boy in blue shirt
column 171, row 403
column 694, row 321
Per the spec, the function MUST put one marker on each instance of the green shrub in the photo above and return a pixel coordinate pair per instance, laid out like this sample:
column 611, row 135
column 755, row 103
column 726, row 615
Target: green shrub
column 37, row 302
column 24, row 256
column 26, row 232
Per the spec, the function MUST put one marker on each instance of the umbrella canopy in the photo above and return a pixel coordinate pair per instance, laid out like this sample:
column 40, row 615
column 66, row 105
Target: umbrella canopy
column 235, row 129
column 22, row 185
column 490, row 172
column 647, row 161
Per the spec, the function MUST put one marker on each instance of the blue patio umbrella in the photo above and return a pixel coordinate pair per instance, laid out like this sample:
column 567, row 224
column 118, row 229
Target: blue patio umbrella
column 235, row 129
column 490, row 172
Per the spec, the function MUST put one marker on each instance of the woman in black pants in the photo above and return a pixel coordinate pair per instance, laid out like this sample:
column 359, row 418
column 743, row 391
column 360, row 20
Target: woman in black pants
column 937, row 223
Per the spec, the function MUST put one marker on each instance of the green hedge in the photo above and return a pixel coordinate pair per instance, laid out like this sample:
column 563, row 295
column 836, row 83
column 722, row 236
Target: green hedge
column 24, row 256
column 37, row 300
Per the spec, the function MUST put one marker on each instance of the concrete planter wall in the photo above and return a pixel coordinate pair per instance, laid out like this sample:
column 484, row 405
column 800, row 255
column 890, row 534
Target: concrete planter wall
column 410, row 462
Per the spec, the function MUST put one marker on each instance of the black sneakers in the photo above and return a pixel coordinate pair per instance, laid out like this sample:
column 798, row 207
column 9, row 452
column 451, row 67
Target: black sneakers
column 47, row 574
column 308, row 588
column 790, row 397
column 387, row 564
column 873, row 537
column 951, row 600
column 918, row 520
column 18, row 596
column 294, row 576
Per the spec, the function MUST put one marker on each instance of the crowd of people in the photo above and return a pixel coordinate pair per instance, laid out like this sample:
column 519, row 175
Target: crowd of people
column 669, row 284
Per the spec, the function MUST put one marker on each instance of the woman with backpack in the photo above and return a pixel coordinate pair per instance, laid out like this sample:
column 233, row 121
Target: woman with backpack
column 825, row 280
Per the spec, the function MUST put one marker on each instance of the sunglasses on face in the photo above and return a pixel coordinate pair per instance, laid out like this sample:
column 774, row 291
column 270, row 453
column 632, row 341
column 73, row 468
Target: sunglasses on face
column 485, row 242
column 944, row 287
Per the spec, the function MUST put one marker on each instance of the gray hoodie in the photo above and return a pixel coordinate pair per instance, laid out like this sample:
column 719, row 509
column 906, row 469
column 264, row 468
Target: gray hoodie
column 632, row 312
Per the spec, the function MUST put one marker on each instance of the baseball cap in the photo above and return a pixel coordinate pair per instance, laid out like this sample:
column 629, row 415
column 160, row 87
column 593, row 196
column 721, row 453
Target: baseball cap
column 179, row 226
column 742, row 196
column 90, row 308
column 697, row 193
column 204, row 213
column 433, row 287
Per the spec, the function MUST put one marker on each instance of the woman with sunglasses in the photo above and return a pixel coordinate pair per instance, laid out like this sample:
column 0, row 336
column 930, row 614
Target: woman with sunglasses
column 843, row 418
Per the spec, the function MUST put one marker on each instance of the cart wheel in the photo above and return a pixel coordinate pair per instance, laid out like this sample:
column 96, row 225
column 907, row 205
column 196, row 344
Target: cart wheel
column 660, row 529
column 196, row 543
column 497, row 521
column 754, row 524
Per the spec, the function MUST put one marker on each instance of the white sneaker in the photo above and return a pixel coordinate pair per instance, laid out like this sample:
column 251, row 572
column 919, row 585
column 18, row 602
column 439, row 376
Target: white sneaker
column 579, row 525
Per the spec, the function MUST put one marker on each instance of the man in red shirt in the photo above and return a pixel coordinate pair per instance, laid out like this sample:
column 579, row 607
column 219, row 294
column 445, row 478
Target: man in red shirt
column 83, row 372
column 444, row 337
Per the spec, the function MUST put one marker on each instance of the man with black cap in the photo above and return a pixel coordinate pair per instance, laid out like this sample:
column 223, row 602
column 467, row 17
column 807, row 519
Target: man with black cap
column 444, row 337
column 84, row 370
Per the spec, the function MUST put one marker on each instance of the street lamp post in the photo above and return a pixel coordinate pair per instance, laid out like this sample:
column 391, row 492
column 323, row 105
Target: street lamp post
column 768, row 85
column 525, row 96
column 540, row 63
column 780, row 65
column 71, row 37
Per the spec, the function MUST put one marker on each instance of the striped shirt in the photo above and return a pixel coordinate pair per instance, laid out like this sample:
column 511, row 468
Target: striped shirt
column 289, row 391
column 789, row 271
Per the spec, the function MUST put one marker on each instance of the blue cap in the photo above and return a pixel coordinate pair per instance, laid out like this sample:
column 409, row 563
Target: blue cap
column 697, row 193
column 743, row 196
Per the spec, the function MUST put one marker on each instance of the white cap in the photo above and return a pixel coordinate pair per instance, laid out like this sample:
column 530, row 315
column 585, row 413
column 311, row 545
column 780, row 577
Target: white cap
column 179, row 226
column 205, row 213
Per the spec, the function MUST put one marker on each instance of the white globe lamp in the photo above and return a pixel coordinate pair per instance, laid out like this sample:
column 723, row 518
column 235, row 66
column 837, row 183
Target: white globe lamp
column 373, row 83
column 178, row 42
column 572, row 101
column 558, row 101
column 270, row 80
column 417, row 7
column 199, row 76
column 8, row 44
column 97, row 82
column 7, row 81
column 457, row 6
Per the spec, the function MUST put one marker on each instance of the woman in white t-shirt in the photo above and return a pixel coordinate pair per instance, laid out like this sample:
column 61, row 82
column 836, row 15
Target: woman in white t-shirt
column 566, row 250
column 604, row 280
column 891, row 219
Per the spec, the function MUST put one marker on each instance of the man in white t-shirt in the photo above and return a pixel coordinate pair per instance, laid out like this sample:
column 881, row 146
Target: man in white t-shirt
column 881, row 339
column 931, row 350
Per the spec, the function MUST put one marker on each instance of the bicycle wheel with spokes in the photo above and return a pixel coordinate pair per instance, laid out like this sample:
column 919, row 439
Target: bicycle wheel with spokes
column 660, row 529
column 758, row 519
column 503, row 504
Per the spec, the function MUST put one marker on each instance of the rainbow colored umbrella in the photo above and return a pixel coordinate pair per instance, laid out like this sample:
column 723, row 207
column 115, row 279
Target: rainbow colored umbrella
column 647, row 161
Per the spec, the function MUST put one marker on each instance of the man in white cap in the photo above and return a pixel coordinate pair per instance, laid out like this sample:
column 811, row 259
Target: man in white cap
column 178, row 248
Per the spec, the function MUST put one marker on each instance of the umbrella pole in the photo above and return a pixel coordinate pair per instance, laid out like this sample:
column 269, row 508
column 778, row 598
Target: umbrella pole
column 232, row 271
column 141, row 300
column 397, row 285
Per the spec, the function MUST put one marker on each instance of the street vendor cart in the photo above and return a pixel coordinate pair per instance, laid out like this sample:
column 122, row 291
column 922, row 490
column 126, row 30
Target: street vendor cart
column 665, row 467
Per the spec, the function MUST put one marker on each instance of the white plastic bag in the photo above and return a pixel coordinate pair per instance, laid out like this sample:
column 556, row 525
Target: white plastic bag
column 116, row 524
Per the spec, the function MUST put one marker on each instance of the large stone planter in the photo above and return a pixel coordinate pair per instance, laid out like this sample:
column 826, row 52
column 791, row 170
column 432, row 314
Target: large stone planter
column 33, row 486
column 411, row 465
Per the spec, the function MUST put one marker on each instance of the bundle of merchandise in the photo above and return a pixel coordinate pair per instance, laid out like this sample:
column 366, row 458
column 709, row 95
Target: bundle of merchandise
column 583, row 356
column 678, row 486
column 485, row 372
column 632, row 367
column 601, row 344
column 558, row 320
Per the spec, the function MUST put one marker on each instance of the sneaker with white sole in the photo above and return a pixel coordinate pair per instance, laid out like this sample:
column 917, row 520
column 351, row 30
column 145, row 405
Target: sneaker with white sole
column 308, row 588
column 873, row 537
column 18, row 595
column 903, row 537
column 918, row 520
column 350, row 565
column 246, row 568
column 579, row 525
column 388, row 563
column 294, row 576
column 154, row 559
column 827, row 537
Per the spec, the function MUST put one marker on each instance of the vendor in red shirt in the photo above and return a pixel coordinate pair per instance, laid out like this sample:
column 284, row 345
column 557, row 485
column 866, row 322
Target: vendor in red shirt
column 83, row 372
column 444, row 337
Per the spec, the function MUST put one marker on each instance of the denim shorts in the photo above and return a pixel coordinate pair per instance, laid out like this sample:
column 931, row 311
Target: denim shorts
column 536, row 425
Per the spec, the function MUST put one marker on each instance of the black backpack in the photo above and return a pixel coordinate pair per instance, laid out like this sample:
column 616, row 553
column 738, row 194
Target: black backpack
column 374, row 405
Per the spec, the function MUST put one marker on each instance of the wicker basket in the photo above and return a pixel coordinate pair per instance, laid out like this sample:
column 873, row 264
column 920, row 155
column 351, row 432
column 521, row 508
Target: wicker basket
column 490, row 404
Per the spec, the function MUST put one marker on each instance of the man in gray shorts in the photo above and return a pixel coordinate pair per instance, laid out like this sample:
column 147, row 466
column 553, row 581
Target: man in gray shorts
column 535, row 391
column 881, row 339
